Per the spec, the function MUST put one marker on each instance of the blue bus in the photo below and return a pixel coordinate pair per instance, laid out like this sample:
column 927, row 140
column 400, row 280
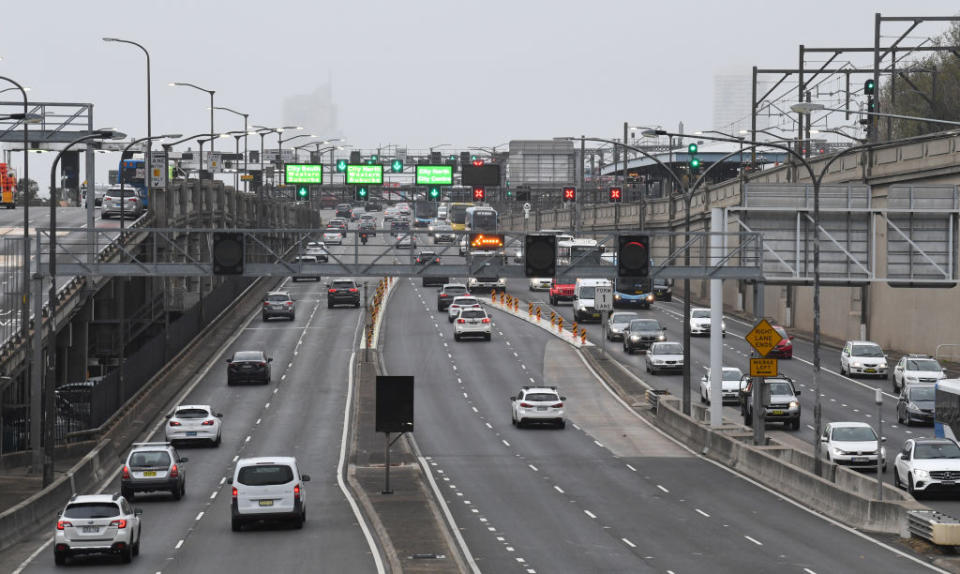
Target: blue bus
column 133, row 172
column 946, row 414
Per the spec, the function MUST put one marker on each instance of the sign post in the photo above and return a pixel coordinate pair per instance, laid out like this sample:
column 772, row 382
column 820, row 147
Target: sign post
column 763, row 338
column 604, row 303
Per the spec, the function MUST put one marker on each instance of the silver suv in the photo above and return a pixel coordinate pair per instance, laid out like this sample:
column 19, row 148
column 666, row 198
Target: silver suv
column 97, row 524
column 128, row 203
column 152, row 467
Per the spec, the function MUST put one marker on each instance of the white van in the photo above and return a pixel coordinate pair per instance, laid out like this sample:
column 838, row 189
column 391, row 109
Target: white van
column 268, row 488
column 584, row 292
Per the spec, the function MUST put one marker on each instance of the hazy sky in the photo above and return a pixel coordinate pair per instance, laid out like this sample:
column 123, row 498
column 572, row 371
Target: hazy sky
column 422, row 73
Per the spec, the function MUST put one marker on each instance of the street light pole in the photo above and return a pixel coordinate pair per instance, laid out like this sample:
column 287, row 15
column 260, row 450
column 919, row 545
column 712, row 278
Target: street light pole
column 245, row 117
column 212, row 135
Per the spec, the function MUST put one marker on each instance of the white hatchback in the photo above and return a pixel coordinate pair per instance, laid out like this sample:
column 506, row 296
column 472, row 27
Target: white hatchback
column 538, row 405
column 463, row 302
column 268, row 488
column 729, row 386
column 472, row 322
column 193, row 423
column 853, row 444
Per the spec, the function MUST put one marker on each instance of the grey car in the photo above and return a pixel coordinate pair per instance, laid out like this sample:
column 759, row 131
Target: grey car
column 278, row 304
column 916, row 404
column 783, row 403
column 153, row 467
column 127, row 204
column 617, row 323
column 641, row 333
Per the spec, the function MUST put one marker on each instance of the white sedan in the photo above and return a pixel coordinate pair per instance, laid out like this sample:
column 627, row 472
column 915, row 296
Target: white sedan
column 730, row 386
column 332, row 237
column 541, row 283
column 664, row 356
column 928, row 465
column 193, row 423
column 700, row 322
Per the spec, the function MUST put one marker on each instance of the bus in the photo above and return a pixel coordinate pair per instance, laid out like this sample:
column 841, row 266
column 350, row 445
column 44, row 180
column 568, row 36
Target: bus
column 457, row 215
column 946, row 413
column 481, row 218
column 578, row 250
column 133, row 172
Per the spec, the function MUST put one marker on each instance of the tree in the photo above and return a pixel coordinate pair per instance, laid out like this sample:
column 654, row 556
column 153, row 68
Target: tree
column 32, row 193
column 925, row 88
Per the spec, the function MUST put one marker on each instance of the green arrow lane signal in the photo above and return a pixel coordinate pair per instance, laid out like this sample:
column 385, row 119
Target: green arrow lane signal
column 341, row 165
column 434, row 192
column 361, row 193
column 302, row 192
column 396, row 166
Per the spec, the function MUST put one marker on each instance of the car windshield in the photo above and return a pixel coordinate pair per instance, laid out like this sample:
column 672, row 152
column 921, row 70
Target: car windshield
column 247, row 356
column 936, row 450
column 265, row 475
column 452, row 290
column 853, row 434
column 782, row 332
column 780, row 388
column 922, row 365
column 92, row 510
column 644, row 325
column 472, row 314
column 150, row 458
column 428, row 254
column 587, row 292
column 465, row 301
column 622, row 318
column 700, row 313
column 192, row 414
column 540, row 397
column 343, row 284
column 866, row 351
column 921, row 394
column 278, row 297
column 668, row 349
column 732, row 374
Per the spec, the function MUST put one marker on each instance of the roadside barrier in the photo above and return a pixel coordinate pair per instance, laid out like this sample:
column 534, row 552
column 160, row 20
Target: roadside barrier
column 493, row 296
column 560, row 324
column 583, row 337
column 530, row 309
column 538, row 313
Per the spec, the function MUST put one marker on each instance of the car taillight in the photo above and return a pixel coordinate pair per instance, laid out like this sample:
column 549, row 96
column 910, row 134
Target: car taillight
column 207, row 423
column 419, row 260
column 63, row 523
column 266, row 303
column 557, row 406
column 333, row 291
column 296, row 492
column 289, row 302
column 262, row 364
column 174, row 472
column 125, row 472
column 132, row 199
column 486, row 319
column 437, row 260
column 234, row 494
column 119, row 523
column 526, row 405
column 353, row 289
column 443, row 294
column 174, row 423
column 461, row 321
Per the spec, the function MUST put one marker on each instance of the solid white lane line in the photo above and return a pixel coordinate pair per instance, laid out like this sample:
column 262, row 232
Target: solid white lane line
column 598, row 443
column 558, row 489
column 199, row 516
column 590, row 514
column 702, row 512
column 754, row 540
column 179, row 544
column 628, row 543
column 663, row 489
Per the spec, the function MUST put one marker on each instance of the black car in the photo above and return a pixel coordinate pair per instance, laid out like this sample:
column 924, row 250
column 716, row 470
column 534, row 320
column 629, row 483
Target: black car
column 662, row 290
column 249, row 366
column 343, row 292
column 426, row 257
column 448, row 292
column 345, row 210
column 641, row 333
column 278, row 304
column 916, row 404
column 368, row 227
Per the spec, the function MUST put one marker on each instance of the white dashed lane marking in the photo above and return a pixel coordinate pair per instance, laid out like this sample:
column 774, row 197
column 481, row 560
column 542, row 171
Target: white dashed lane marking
column 754, row 540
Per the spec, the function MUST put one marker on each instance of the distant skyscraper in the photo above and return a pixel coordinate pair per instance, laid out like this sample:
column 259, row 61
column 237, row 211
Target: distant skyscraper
column 731, row 103
column 315, row 111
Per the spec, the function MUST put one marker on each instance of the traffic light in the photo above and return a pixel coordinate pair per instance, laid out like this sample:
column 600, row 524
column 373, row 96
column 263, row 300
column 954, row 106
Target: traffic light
column 464, row 158
column 479, row 194
column 540, row 255
column 396, row 166
column 694, row 160
column 227, row 253
column 341, row 165
column 616, row 195
column 569, row 194
column 374, row 159
column 633, row 256
column 473, row 158
column 451, row 158
column 870, row 89
column 477, row 162
column 354, row 159
column 303, row 192
column 434, row 193
column 361, row 194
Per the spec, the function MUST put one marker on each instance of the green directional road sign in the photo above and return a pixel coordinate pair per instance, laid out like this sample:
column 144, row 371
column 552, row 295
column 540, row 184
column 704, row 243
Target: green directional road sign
column 434, row 175
column 303, row 173
column 364, row 174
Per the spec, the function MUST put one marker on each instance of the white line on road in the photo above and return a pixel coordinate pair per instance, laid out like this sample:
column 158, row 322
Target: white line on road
column 631, row 468
column 223, row 478
column 811, row 427
column 532, row 381
column 558, row 489
column 199, row 516
column 702, row 512
column 475, row 409
column 179, row 544
column 628, row 543
column 489, row 426
column 213, row 494
column 247, row 439
column 754, row 540
column 590, row 514
column 535, row 469
column 258, row 422
column 809, row 571
column 663, row 489
column 266, row 406
column 505, row 443
column 598, row 443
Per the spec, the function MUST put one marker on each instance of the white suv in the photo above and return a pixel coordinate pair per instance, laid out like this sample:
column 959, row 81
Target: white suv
column 461, row 302
column 472, row 322
column 853, row 444
column 193, row 423
column 538, row 405
column 97, row 524
column 268, row 488
column 916, row 369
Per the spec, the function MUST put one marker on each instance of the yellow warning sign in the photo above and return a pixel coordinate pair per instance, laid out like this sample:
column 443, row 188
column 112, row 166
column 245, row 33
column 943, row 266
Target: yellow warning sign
column 763, row 338
column 763, row 368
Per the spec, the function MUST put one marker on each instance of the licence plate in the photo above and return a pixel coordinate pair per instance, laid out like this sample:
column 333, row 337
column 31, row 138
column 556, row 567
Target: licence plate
column 596, row 315
column 91, row 529
column 191, row 433
column 860, row 459
column 776, row 412
column 869, row 370
column 149, row 473
column 541, row 408
column 266, row 503
column 948, row 482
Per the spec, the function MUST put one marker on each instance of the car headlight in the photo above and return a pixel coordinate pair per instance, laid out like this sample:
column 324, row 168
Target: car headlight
column 634, row 337
column 657, row 361
column 794, row 404
column 650, row 297
column 616, row 296
column 662, row 337
column 857, row 364
column 723, row 325
column 883, row 452
column 911, row 379
column 921, row 474
column 838, row 452
column 912, row 407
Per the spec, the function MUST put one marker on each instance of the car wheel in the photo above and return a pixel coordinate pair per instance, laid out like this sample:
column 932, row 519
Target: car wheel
column 126, row 555
column 486, row 337
column 329, row 305
column 893, row 383
column 456, row 337
column 357, row 304
column 298, row 521
column 910, row 489
column 59, row 558
column 883, row 468
column 896, row 479
column 553, row 301
column 747, row 420
column 127, row 493
column 177, row 493
column 520, row 424
column 796, row 424
column 136, row 546
column 562, row 424
column 842, row 372
column 899, row 417
column 236, row 525
column 217, row 442
column 449, row 319
column 293, row 317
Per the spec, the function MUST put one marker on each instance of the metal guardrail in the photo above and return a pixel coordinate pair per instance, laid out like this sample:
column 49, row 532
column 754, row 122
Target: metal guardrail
column 940, row 529
column 653, row 397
